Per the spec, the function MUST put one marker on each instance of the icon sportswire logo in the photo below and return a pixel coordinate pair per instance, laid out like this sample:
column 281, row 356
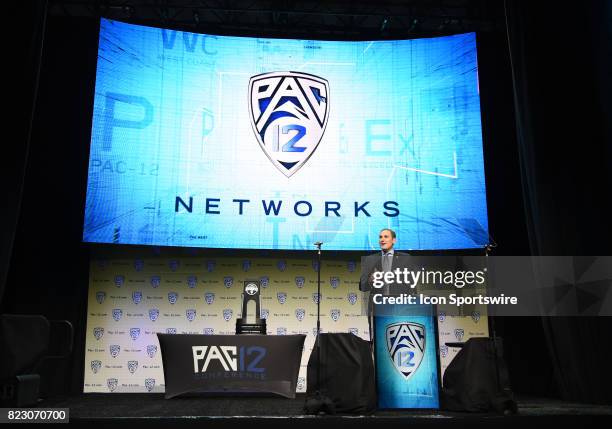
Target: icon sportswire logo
column 288, row 113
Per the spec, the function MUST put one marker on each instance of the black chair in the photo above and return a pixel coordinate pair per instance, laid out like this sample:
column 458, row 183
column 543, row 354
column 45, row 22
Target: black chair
column 347, row 381
column 477, row 379
column 30, row 347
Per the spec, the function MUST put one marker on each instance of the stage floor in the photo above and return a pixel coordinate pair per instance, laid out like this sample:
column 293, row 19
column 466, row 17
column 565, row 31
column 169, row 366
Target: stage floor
column 153, row 409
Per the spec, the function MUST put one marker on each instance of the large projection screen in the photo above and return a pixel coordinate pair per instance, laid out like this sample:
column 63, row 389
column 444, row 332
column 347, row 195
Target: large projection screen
column 213, row 141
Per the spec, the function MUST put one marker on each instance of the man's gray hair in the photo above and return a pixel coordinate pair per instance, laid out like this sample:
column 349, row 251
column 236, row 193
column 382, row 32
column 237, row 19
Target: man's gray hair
column 390, row 230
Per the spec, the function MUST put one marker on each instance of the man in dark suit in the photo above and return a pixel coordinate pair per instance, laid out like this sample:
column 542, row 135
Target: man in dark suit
column 387, row 260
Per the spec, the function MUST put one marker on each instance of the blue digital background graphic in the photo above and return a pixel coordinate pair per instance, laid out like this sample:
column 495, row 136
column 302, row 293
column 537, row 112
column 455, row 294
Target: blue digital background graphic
column 421, row 389
column 174, row 160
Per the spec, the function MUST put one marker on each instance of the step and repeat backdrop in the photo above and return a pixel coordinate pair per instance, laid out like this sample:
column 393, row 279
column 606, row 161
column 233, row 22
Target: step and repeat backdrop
column 134, row 293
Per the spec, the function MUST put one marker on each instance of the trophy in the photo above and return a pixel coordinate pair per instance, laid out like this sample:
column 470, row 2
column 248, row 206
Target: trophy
column 251, row 293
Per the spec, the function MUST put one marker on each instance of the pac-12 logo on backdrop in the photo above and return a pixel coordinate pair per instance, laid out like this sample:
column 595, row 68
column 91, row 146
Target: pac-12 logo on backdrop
column 96, row 365
column 149, row 383
column 112, row 384
column 98, row 332
column 172, row 297
column 134, row 333
column 316, row 297
column 192, row 281
column 288, row 113
column 352, row 298
column 155, row 281
column 151, row 350
column 264, row 281
column 100, row 297
column 406, row 346
column 132, row 366
column 459, row 334
column 114, row 350
column 444, row 351
column 137, row 297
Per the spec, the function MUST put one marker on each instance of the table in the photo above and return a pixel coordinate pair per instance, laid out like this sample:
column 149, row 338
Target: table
column 231, row 363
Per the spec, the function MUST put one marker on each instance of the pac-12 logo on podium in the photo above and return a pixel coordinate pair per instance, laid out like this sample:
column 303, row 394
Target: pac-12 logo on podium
column 288, row 113
column 406, row 346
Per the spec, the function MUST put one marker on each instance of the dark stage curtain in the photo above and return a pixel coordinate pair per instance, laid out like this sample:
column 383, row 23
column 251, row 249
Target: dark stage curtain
column 27, row 40
column 561, row 66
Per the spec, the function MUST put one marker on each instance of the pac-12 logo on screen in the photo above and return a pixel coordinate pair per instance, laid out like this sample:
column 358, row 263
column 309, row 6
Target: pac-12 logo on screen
column 288, row 112
column 406, row 346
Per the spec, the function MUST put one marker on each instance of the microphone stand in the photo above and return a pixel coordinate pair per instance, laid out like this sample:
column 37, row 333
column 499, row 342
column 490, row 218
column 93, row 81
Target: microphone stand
column 319, row 404
column 509, row 406
column 318, row 246
column 492, row 324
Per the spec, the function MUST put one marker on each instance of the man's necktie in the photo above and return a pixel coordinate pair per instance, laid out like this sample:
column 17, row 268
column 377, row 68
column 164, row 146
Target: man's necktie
column 387, row 260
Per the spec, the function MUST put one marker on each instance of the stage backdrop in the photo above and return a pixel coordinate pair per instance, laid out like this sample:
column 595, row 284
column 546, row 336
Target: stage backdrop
column 210, row 141
column 134, row 293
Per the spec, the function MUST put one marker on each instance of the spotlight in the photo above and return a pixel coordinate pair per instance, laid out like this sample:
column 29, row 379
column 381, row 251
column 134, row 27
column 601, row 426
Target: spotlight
column 384, row 24
column 413, row 24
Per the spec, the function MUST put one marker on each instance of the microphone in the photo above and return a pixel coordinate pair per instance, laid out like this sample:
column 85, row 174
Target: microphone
column 318, row 243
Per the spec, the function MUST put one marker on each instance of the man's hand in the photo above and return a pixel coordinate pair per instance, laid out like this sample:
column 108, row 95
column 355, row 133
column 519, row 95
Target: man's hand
column 371, row 277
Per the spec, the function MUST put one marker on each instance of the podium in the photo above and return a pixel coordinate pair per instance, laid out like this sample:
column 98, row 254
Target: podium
column 407, row 374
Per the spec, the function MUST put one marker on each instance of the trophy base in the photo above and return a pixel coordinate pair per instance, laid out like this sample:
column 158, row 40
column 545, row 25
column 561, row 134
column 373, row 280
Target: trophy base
column 250, row 328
